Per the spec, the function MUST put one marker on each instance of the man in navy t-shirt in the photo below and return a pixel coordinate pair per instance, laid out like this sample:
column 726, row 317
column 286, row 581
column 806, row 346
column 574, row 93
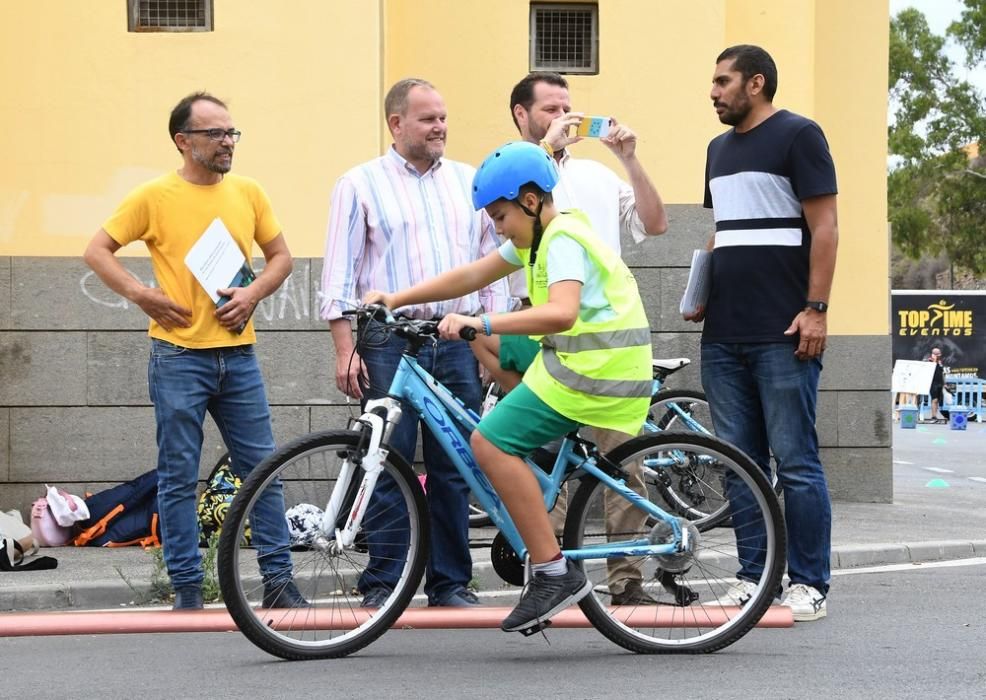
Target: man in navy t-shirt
column 771, row 184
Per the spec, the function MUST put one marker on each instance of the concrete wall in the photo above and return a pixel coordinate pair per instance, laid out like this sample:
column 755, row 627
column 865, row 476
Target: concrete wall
column 74, row 408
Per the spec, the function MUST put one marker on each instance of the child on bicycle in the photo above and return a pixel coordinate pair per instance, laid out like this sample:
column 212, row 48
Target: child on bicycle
column 594, row 366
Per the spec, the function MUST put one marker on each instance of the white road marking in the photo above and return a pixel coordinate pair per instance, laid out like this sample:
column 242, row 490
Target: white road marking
column 974, row 561
column 938, row 471
column 980, row 479
column 900, row 461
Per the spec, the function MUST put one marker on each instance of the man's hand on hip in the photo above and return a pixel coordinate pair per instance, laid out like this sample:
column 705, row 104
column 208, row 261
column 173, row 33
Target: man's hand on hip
column 812, row 327
column 169, row 315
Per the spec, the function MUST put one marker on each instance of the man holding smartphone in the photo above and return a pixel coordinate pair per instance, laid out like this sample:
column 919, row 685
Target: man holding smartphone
column 542, row 112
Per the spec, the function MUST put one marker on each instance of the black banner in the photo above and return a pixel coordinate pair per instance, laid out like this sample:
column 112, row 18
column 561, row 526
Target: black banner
column 954, row 322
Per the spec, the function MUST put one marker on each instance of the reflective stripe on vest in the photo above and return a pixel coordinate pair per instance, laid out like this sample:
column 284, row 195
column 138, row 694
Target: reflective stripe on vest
column 603, row 340
column 618, row 388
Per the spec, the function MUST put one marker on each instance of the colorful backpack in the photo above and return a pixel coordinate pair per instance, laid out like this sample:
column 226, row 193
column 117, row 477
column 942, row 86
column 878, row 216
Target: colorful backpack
column 220, row 488
column 124, row 515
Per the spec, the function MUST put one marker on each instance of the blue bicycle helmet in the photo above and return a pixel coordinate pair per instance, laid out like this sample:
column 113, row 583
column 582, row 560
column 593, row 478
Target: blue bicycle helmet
column 509, row 168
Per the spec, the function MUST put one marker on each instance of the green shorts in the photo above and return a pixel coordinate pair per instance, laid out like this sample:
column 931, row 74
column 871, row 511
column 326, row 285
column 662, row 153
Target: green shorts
column 517, row 352
column 521, row 422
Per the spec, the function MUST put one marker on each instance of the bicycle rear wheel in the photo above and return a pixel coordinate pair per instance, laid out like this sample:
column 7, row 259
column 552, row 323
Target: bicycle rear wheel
column 692, row 489
column 332, row 580
column 693, row 612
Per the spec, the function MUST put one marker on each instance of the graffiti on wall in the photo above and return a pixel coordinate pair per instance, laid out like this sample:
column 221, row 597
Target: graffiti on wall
column 289, row 302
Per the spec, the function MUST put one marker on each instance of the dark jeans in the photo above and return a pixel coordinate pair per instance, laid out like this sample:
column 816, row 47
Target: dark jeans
column 762, row 399
column 226, row 382
column 450, row 563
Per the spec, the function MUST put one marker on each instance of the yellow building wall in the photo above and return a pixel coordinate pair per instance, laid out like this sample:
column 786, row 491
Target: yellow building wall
column 85, row 114
column 86, row 104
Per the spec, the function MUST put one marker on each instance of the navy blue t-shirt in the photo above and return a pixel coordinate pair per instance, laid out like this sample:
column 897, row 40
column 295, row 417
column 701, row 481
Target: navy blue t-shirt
column 755, row 182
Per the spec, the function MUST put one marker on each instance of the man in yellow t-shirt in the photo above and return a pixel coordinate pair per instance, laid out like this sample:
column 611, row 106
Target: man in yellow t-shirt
column 202, row 355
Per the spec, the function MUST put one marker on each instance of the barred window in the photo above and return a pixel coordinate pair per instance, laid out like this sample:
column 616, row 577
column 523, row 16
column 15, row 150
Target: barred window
column 565, row 37
column 169, row 15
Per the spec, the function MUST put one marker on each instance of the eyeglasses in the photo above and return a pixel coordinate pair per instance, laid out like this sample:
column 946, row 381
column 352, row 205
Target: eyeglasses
column 215, row 134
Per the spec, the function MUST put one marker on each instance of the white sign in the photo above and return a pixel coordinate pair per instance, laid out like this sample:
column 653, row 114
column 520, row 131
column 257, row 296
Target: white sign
column 912, row 377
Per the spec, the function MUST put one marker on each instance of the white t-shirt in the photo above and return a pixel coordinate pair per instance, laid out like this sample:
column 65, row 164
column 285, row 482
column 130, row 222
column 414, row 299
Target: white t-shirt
column 568, row 260
column 594, row 189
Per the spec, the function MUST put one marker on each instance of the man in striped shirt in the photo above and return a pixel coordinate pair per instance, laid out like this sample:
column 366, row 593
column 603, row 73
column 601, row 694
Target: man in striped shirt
column 396, row 221
column 770, row 182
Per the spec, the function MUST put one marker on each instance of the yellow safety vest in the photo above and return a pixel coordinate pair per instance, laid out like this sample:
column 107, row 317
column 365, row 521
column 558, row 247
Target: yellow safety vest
column 596, row 373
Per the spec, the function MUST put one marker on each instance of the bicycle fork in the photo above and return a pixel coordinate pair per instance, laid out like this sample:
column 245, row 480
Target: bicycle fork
column 375, row 426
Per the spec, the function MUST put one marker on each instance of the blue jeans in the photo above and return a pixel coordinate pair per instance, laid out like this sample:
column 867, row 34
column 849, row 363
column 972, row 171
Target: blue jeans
column 762, row 399
column 450, row 563
column 226, row 382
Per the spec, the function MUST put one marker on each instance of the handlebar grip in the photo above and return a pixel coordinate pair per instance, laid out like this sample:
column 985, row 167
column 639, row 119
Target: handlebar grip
column 467, row 333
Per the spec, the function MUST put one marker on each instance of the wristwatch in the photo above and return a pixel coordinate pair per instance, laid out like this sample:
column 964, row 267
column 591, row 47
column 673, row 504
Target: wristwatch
column 819, row 306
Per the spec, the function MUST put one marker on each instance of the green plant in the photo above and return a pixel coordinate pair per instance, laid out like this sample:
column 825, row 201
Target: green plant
column 210, row 584
column 160, row 589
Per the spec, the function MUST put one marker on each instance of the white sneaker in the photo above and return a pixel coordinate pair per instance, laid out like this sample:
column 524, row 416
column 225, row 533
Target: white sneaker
column 739, row 594
column 806, row 603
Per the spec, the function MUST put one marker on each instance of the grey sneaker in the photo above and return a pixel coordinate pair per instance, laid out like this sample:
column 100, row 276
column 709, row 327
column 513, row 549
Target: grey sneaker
column 376, row 597
column 739, row 594
column 545, row 596
column 188, row 598
column 457, row 598
column 285, row 595
column 806, row 603
column 633, row 594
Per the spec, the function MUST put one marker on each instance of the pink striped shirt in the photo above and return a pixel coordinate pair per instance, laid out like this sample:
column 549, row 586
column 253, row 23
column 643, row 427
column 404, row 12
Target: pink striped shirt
column 391, row 227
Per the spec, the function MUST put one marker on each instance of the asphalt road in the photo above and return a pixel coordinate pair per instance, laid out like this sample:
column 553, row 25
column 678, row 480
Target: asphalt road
column 933, row 452
column 911, row 631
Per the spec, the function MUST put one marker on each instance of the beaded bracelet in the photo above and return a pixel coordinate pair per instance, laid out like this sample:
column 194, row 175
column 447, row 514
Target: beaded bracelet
column 487, row 328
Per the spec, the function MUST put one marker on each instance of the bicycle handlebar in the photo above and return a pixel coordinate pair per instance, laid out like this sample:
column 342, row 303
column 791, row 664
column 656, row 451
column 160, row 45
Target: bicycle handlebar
column 405, row 327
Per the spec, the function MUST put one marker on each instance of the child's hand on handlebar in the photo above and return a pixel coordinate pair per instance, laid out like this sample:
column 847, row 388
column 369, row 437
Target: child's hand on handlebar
column 377, row 297
column 452, row 324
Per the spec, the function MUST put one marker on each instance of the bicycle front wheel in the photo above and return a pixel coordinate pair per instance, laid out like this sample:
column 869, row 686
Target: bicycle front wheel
column 708, row 593
column 386, row 560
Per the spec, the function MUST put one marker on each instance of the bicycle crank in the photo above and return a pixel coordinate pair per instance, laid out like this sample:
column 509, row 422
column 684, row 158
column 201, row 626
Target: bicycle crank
column 506, row 563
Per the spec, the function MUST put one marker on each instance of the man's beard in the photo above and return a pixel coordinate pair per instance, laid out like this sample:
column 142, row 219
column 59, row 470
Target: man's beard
column 429, row 150
column 736, row 114
column 213, row 164
column 535, row 131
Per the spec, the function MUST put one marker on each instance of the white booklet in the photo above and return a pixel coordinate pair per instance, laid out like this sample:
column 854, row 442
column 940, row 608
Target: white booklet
column 215, row 260
column 697, row 290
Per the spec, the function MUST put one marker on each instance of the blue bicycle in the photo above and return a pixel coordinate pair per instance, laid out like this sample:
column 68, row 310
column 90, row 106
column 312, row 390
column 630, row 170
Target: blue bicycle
column 329, row 481
column 689, row 489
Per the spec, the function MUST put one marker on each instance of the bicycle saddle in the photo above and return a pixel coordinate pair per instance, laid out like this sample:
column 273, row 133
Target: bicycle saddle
column 670, row 365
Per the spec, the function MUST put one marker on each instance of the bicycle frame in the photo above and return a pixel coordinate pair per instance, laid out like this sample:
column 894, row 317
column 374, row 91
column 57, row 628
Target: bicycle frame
column 451, row 423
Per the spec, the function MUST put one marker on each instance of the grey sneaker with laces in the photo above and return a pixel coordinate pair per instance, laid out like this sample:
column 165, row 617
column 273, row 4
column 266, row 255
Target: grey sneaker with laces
column 739, row 594
column 806, row 603
column 545, row 596
column 285, row 595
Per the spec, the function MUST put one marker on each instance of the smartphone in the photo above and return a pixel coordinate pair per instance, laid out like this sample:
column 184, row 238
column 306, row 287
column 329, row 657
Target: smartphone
column 593, row 127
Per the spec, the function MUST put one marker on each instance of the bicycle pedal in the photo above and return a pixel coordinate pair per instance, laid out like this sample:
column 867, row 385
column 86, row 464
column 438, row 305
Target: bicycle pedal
column 685, row 596
column 536, row 628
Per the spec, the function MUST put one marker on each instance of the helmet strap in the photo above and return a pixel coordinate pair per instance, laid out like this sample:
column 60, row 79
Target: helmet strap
column 538, row 228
